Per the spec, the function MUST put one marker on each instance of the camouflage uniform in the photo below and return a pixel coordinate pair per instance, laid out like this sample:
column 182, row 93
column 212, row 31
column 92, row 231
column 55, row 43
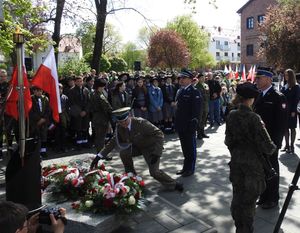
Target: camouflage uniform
column 204, row 90
column 246, row 139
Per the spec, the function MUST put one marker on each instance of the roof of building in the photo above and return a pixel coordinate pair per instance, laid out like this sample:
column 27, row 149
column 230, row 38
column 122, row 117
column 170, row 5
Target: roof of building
column 245, row 5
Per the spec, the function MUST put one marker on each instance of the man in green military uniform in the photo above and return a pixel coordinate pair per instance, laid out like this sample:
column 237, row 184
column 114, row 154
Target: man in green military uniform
column 204, row 90
column 137, row 136
column 101, row 112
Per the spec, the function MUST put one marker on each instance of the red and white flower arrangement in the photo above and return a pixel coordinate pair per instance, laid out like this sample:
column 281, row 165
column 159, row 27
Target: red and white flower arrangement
column 98, row 191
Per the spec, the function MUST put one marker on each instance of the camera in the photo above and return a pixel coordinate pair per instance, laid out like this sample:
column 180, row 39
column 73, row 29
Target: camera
column 44, row 217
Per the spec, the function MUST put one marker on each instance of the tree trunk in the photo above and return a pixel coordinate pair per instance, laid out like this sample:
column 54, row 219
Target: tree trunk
column 101, row 18
column 57, row 23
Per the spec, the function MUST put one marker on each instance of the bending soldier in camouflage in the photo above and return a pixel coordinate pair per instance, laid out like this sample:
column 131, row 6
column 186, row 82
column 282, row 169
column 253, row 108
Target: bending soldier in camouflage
column 247, row 140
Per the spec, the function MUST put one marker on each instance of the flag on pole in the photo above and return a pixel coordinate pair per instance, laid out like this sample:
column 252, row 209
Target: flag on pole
column 46, row 78
column 11, row 106
column 230, row 72
column 249, row 76
column 236, row 71
column 225, row 70
column 244, row 73
column 253, row 74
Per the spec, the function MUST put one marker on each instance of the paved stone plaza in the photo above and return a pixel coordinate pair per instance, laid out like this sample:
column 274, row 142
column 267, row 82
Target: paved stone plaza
column 204, row 206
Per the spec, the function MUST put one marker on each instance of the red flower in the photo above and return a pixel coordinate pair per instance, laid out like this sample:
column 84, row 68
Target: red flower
column 102, row 167
column 108, row 203
column 117, row 179
column 101, row 181
column 142, row 183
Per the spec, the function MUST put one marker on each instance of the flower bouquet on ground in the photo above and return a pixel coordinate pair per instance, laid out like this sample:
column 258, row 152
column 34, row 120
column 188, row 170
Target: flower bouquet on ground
column 67, row 181
column 109, row 192
column 97, row 191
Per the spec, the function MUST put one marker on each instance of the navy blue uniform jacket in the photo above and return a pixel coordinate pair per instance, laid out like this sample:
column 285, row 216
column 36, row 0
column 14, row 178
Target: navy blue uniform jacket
column 189, row 103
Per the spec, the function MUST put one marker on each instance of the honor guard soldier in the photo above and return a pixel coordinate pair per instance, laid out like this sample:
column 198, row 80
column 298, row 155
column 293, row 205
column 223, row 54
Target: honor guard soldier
column 137, row 136
column 101, row 112
column 189, row 103
column 247, row 140
column 271, row 105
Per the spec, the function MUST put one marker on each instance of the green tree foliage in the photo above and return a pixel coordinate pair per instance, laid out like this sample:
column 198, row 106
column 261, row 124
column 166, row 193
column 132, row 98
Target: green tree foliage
column 103, row 61
column 168, row 50
column 75, row 65
column 28, row 17
column 145, row 34
column 281, row 33
column 196, row 39
column 86, row 33
column 131, row 54
column 118, row 64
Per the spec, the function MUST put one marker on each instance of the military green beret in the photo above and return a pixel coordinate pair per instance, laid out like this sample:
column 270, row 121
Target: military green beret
column 247, row 90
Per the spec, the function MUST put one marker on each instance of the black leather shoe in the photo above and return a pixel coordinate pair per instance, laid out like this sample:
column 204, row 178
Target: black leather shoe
column 187, row 173
column 269, row 205
column 180, row 172
column 179, row 186
column 205, row 136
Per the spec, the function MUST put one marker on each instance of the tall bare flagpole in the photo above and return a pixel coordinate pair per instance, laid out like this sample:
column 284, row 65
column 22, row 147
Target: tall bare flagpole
column 18, row 38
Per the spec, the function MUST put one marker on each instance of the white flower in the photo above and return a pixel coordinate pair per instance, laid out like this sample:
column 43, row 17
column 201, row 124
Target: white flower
column 89, row 203
column 130, row 174
column 138, row 178
column 131, row 200
column 127, row 188
column 104, row 173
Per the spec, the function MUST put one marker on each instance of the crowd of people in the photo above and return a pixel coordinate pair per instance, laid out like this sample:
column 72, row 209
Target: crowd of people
column 97, row 107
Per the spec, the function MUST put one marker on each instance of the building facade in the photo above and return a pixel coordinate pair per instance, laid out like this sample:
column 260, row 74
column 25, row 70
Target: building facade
column 225, row 45
column 252, row 14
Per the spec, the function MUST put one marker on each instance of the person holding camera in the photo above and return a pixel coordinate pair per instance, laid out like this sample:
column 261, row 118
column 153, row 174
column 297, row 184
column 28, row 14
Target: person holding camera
column 247, row 140
column 14, row 219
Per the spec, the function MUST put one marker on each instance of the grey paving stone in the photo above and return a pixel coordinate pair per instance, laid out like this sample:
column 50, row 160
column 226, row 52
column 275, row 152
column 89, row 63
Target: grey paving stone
column 193, row 227
column 167, row 222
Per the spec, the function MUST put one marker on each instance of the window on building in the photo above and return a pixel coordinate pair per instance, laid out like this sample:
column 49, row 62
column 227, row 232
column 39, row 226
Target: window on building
column 226, row 54
column 218, row 44
column 249, row 51
column 260, row 18
column 239, row 44
column 250, row 23
column 238, row 54
column 232, row 54
column 226, row 43
column 218, row 54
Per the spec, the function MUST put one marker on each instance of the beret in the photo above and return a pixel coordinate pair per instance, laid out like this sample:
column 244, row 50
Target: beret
column 247, row 90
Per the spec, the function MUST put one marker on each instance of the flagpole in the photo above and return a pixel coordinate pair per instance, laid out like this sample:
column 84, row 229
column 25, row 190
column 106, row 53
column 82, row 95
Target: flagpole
column 18, row 39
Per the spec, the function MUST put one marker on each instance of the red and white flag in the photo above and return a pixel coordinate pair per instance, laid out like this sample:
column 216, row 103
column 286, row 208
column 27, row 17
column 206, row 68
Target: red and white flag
column 46, row 78
column 249, row 76
column 253, row 73
column 11, row 106
column 236, row 72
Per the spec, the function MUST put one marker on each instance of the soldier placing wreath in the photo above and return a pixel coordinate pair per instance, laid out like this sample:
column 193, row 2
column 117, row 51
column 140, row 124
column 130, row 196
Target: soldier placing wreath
column 137, row 136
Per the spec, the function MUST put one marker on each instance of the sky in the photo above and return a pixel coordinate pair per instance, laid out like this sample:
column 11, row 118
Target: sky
column 159, row 12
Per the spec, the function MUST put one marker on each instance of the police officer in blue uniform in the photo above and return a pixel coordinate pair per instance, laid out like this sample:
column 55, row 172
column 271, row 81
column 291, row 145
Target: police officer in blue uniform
column 271, row 106
column 189, row 102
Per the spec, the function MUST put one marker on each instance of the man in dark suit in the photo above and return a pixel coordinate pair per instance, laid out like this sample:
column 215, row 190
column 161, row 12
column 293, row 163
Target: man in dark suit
column 271, row 105
column 189, row 103
column 137, row 136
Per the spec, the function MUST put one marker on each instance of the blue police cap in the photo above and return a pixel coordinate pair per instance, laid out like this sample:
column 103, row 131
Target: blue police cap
column 185, row 73
column 264, row 73
column 121, row 114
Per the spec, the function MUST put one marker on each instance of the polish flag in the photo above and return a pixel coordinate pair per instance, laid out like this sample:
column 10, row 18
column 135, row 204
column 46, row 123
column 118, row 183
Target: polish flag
column 236, row 72
column 11, row 107
column 244, row 74
column 46, row 78
column 225, row 70
column 249, row 76
column 253, row 74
